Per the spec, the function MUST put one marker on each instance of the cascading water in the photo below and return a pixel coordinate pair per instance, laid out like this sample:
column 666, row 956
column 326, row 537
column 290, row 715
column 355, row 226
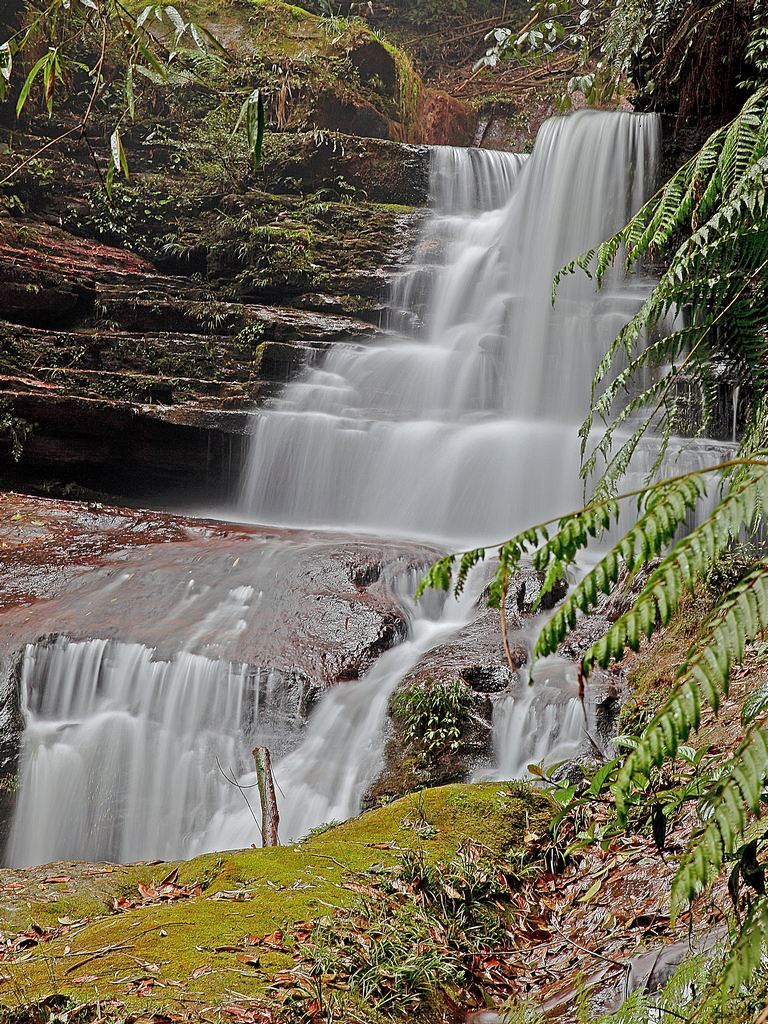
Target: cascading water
column 462, row 425
column 465, row 427
column 119, row 757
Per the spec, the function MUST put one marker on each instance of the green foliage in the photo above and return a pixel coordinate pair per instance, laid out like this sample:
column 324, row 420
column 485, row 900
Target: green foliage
column 433, row 715
column 406, row 941
column 14, row 429
column 681, row 53
column 122, row 58
column 251, row 335
column 252, row 113
column 729, row 794
column 131, row 215
column 757, row 46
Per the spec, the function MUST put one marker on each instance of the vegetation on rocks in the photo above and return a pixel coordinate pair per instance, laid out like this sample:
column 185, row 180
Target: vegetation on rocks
column 243, row 921
column 433, row 715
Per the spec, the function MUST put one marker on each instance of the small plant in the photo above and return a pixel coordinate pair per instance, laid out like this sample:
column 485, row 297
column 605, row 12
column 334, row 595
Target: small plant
column 409, row 940
column 14, row 428
column 320, row 830
column 433, row 715
column 420, row 822
column 129, row 215
column 251, row 334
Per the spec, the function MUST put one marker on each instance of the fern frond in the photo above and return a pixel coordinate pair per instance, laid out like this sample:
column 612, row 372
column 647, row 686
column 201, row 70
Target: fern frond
column 727, row 802
column 687, row 562
column 716, row 279
column 665, row 510
column 704, row 676
column 750, row 949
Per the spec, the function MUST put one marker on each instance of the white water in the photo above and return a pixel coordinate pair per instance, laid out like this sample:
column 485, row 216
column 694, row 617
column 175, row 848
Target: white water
column 463, row 426
column 123, row 754
column 119, row 756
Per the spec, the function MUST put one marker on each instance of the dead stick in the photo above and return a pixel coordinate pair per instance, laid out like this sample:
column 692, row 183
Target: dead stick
column 270, row 815
column 504, row 638
column 99, row 953
column 592, row 952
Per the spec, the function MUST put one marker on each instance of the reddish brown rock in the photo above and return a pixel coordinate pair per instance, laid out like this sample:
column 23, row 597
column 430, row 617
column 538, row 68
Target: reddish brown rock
column 442, row 120
column 318, row 606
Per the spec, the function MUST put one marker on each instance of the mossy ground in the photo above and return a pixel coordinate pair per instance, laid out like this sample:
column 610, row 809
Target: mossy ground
column 194, row 949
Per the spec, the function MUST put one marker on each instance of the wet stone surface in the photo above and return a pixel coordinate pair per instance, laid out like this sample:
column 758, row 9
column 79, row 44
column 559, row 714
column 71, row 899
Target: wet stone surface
column 297, row 602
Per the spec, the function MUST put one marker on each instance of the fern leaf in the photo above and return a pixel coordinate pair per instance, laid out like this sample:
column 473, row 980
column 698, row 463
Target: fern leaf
column 703, row 676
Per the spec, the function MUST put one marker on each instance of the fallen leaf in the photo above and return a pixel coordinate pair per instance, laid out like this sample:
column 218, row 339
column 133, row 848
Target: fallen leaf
column 249, row 959
column 170, row 879
column 593, row 890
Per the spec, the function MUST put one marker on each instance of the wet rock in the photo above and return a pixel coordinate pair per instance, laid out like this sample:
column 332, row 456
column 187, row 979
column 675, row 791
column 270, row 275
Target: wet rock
column 146, row 451
column 137, row 387
column 442, row 120
column 649, row 972
column 525, row 587
column 605, row 692
column 474, row 656
column 11, row 729
column 365, row 307
column 610, row 607
column 353, row 117
column 381, row 170
column 290, row 612
column 315, row 608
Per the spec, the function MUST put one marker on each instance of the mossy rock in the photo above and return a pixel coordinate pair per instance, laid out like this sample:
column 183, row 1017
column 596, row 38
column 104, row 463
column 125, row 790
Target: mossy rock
column 276, row 46
column 192, row 950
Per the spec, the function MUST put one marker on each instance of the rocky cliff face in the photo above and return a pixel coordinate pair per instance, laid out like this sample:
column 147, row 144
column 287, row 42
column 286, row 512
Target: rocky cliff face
column 139, row 325
column 136, row 382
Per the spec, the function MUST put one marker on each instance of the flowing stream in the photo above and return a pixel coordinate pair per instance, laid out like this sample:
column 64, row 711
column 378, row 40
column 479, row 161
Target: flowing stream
column 460, row 426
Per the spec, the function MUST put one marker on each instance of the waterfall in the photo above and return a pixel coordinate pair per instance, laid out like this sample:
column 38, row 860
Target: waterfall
column 124, row 754
column 460, row 425
column 120, row 755
column 463, row 426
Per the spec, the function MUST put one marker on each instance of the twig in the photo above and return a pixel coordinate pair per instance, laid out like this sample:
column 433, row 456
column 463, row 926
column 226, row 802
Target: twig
column 99, row 953
column 80, row 127
column 503, row 610
column 233, row 782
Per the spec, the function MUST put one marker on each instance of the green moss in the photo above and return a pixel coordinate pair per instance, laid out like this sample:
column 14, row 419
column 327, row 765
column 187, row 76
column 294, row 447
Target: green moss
column 394, row 208
column 409, row 85
column 284, row 886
